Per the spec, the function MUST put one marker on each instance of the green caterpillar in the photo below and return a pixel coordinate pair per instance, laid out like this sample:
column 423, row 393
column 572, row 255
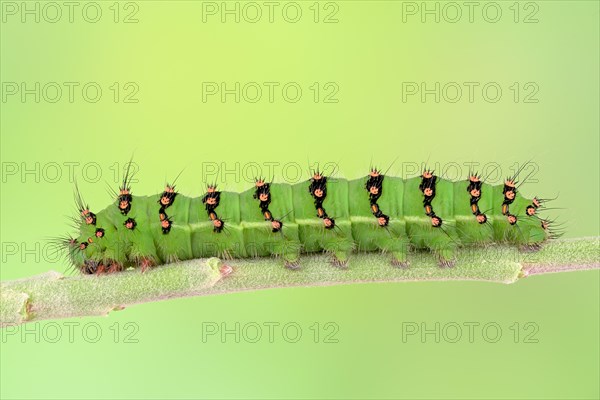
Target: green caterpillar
column 339, row 216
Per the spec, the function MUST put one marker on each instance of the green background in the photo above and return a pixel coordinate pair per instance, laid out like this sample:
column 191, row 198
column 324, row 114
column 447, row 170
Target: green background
column 368, row 53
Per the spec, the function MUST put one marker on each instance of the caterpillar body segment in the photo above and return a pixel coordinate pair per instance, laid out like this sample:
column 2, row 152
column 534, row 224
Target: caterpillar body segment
column 373, row 213
column 368, row 234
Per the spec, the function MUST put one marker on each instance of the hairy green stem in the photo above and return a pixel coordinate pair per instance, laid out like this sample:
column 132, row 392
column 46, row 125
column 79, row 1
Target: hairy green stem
column 51, row 295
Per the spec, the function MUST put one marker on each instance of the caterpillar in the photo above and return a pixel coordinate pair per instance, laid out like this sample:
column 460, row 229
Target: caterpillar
column 377, row 212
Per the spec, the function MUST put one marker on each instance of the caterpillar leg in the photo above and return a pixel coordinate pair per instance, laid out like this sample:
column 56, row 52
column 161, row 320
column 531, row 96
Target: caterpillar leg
column 399, row 259
column 291, row 259
column 446, row 257
column 444, row 248
column 340, row 249
column 339, row 259
column 398, row 247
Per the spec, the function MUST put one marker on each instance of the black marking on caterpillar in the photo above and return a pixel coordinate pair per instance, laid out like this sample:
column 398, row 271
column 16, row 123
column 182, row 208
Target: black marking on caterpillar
column 374, row 187
column 318, row 190
column 130, row 223
column 109, row 241
column 475, row 190
column 263, row 195
column 211, row 201
column 167, row 197
column 427, row 186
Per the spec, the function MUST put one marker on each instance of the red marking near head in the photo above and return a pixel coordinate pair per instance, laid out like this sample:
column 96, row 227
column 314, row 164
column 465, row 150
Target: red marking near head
column 165, row 223
column 536, row 202
column 89, row 219
column 427, row 174
column 481, row 218
column 512, row 219
column 217, row 223
column 211, row 189
column 82, row 246
column 211, row 201
column 123, row 204
column 276, row 225
column 317, row 176
column 373, row 190
column 259, row 183
column 263, row 197
column 475, row 193
column 381, row 221
column 435, row 221
column 123, row 191
column 427, row 191
column 85, row 212
column 530, row 210
column 170, row 189
column 510, row 194
column 374, row 173
column 164, row 200
column 327, row 222
column 99, row 233
column 129, row 225
column 510, row 183
column 474, row 178
column 318, row 192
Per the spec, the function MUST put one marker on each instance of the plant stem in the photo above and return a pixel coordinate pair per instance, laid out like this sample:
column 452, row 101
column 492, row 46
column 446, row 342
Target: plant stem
column 51, row 295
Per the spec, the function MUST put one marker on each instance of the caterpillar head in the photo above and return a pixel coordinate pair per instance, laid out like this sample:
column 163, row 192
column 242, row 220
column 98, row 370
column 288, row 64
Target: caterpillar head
column 530, row 210
column 436, row 221
column 475, row 193
column 474, row 178
column 481, row 218
column 427, row 174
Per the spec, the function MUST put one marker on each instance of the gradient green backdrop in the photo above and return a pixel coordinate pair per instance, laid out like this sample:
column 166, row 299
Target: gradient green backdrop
column 368, row 53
